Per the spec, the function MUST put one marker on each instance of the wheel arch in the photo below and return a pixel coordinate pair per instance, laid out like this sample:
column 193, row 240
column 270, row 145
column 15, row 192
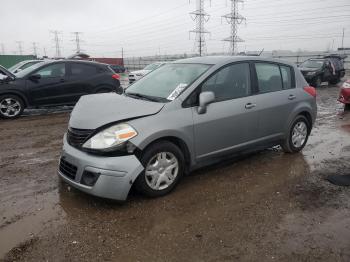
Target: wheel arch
column 179, row 142
column 19, row 94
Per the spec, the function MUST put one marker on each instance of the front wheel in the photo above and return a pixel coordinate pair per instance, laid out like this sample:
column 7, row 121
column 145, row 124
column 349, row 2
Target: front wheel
column 298, row 135
column 11, row 106
column 163, row 167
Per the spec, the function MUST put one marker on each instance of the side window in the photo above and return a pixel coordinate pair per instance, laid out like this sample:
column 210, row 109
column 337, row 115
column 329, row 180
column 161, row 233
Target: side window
column 286, row 77
column 82, row 70
column 230, row 82
column 55, row 70
column 269, row 77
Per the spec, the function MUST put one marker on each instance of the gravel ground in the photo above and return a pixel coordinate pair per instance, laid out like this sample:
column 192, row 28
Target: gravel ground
column 267, row 206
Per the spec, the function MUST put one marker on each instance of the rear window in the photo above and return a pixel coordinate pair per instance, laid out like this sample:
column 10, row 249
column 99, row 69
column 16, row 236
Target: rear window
column 83, row 70
column 286, row 72
column 269, row 77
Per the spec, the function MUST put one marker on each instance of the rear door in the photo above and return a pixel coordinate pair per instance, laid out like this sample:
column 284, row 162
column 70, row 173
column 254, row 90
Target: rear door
column 232, row 120
column 50, row 88
column 277, row 96
column 81, row 78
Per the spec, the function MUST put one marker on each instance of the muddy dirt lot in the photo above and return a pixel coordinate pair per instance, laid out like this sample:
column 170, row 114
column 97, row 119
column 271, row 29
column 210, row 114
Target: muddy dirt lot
column 268, row 206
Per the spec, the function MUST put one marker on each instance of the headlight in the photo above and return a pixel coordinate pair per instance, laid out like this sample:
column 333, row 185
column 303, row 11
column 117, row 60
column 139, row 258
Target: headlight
column 311, row 73
column 111, row 137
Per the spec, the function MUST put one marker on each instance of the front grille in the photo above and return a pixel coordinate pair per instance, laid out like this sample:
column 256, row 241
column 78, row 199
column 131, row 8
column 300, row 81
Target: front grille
column 77, row 137
column 68, row 169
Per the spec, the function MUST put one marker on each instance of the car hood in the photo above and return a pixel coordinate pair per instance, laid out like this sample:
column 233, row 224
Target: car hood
column 94, row 111
column 142, row 72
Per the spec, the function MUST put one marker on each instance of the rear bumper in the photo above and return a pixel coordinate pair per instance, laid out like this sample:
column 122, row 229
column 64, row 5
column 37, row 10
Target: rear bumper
column 115, row 174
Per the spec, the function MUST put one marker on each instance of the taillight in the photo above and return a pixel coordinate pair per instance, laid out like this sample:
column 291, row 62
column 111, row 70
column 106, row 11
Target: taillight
column 116, row 76
column 310, row 90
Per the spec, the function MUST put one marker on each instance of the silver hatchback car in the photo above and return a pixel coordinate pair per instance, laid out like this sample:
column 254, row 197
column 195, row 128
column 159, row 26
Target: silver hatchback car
column 182, row 116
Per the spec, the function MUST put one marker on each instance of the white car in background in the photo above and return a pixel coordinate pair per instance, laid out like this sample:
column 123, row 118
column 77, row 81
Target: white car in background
column 136, row 75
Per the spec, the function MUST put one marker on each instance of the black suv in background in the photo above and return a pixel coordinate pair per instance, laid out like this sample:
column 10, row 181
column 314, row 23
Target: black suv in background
column 327, row 69
column 60, row 82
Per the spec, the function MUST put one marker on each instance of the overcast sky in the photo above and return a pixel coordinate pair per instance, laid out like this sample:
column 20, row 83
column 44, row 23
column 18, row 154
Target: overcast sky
column 162, row 26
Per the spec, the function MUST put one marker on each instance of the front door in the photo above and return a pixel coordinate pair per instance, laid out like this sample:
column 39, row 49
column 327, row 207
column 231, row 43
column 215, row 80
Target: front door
column 50, row 88
column 231, row 122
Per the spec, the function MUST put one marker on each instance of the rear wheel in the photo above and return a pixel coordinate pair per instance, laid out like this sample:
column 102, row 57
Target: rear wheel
column 164, row 166
column 11, row 106
column 297, row 136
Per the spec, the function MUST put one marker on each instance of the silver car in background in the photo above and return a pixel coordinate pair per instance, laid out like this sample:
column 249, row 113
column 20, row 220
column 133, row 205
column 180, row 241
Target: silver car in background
column 184, row 115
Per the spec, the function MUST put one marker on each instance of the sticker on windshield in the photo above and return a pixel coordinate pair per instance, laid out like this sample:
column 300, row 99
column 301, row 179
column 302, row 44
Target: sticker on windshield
column 177, row 91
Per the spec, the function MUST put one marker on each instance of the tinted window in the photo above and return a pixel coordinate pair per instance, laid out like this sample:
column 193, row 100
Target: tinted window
column 83, row 70
column 230, row 82
column 55, row 70
column 269, row 77
column 28, row 65
column 286, row 77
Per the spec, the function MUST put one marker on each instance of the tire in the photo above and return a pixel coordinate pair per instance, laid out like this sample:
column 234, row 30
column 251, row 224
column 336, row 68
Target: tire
column 290, row 145
column 11, row 106
column 347, row 107
column 335, row 81
column 318, row 82
column 152, row 175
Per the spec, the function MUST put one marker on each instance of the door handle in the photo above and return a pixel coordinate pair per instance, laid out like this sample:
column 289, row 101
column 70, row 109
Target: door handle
column 250, row 105
column 291, row 97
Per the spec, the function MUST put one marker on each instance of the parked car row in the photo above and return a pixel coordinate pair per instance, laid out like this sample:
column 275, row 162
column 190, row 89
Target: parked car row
column 49, row 83
column 327, row 69
column 136, row 75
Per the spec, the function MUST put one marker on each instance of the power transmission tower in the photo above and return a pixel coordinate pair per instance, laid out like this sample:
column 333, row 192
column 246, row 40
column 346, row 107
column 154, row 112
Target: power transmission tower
column 200, row 17
column 77, row 41
column 2, row 48
column 56, row 39
column 44, row 50
column 234, row 19
column 20, row 49
column 35, row 50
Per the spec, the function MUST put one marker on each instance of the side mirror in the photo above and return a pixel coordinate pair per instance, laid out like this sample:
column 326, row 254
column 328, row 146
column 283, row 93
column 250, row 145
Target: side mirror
column 205, row 98
column 35, row 77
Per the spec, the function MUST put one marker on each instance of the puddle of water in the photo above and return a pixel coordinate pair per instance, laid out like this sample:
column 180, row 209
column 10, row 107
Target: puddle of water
column 26, row 227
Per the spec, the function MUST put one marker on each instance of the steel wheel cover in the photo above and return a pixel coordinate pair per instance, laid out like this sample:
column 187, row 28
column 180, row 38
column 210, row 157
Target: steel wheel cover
column 161, row 171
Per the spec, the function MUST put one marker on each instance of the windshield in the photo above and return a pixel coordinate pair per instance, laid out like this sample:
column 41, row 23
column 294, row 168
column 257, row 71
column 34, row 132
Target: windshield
column 152, row 67
column 313, row 63
column 14, row 67
column 168, row 81
column 26, row 71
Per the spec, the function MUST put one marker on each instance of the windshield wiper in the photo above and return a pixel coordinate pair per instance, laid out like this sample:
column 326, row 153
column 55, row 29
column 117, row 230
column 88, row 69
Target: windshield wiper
column 145, row 97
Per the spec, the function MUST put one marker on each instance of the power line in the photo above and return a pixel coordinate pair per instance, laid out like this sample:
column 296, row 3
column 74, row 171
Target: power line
column 234, row 19
column 200, row 17
column 56, row 39
column 77, row 41
column 20, row 49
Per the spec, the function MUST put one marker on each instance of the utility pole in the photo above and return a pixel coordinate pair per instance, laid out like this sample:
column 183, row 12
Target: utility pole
column 20, row 49
column 200, row 17
column 35, row 52
column 342, row 40
column 123, row 53
column 44, row 50
column 234, row 19
column 77, row 41
column 56, row 39
column 2, row 48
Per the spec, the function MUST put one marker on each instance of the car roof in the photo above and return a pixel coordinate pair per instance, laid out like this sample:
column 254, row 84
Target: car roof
column 75, row 61
column 218, row 60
